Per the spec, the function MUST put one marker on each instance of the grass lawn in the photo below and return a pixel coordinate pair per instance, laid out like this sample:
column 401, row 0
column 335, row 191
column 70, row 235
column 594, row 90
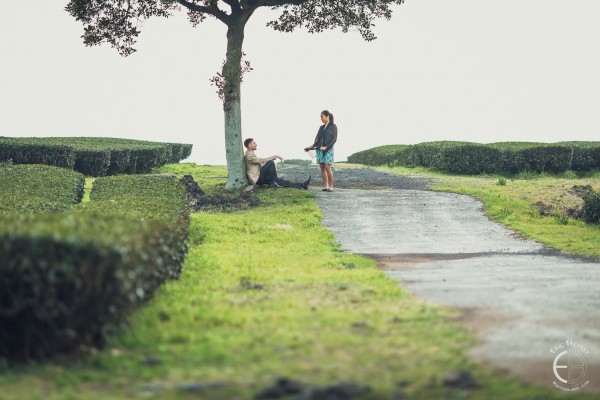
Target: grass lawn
column 266, row 293
column 513, row 204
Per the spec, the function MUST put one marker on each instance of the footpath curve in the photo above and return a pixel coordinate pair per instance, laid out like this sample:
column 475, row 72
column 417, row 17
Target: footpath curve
column 520, row 298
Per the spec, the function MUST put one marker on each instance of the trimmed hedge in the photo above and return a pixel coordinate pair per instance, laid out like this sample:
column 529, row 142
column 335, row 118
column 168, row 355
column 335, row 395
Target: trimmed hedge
column 477, row 158
column 586, row 155
column 534, row 157
column 38, row 188
column 32, row 151
column 381, row 155
column 67, row 278
column 93, row 156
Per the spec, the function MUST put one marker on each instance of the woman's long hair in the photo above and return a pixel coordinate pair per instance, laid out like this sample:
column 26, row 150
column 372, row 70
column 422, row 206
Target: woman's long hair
column 328, row 114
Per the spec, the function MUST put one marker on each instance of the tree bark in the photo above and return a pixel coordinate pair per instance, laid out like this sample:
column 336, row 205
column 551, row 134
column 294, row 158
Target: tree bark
column 232, row 69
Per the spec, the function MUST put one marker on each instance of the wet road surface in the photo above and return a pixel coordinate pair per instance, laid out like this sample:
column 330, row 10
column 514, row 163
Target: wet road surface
column 520, row 298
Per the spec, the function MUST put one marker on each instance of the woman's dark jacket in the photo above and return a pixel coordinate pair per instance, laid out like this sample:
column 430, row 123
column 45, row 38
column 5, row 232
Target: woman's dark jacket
column 325, row 137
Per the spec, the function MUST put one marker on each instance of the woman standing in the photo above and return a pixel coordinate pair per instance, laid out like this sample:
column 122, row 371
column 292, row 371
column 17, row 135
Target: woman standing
column 326, row 138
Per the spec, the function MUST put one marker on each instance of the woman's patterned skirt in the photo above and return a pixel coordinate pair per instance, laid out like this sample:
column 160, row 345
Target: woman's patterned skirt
column 325, row 157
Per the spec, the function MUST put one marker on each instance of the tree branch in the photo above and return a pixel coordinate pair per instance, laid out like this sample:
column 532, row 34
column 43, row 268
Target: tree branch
column 274, row 3
column 211, row 10
column 234, row 4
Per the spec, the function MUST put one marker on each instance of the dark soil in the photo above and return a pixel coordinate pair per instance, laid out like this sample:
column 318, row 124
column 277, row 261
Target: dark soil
column 354, row 178
column 286, row 388
column 199, row 201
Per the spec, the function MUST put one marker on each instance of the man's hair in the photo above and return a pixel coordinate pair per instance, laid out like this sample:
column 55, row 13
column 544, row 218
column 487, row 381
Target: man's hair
column 247, row 142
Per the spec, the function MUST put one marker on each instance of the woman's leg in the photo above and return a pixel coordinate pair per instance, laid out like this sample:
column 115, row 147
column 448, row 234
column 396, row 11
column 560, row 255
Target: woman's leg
column 324, row 175
column 329, row 174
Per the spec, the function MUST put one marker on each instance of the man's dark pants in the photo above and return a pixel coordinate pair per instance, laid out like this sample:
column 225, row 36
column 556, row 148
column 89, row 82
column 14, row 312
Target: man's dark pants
column 268, row 175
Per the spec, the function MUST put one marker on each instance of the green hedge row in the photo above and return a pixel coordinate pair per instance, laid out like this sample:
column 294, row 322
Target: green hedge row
column 67, row 278
column 477, row 158
column 381, row 155
column 32, row 151
column 93, row 156
column 38, row 188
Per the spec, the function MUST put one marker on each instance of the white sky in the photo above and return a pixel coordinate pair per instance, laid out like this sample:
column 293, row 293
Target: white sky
column 476, row 70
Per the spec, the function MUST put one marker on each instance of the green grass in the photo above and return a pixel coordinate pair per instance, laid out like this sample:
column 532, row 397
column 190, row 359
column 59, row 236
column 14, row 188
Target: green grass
column 512, row 204
column 87, row 189
column 266, row 293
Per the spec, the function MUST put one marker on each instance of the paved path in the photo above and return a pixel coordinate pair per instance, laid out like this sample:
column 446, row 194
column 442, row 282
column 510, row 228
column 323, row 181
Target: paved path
column 520, row 298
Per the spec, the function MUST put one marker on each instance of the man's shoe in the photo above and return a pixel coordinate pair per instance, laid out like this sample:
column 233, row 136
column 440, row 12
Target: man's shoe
column 275, row 185
column 306, row 183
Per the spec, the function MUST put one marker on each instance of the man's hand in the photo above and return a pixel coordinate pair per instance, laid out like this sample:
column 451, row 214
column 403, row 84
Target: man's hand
column 280, row 158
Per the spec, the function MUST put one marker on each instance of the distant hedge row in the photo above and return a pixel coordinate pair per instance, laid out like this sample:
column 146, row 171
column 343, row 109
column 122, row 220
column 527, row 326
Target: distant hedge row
column 93, row 156
column 477, row 158
column 67, row 277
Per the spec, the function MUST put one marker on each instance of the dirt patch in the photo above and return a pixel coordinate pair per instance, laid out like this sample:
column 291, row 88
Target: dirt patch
column 483, row 320
column 392, row 262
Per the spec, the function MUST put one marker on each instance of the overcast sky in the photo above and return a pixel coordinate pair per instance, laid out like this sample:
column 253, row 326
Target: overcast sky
column 476, row 70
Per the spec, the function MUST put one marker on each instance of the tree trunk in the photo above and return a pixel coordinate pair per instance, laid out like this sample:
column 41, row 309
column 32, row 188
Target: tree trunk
column 236, row 167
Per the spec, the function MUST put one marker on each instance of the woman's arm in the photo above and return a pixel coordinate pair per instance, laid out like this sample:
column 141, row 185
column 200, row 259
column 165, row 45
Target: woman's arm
column 314, row 145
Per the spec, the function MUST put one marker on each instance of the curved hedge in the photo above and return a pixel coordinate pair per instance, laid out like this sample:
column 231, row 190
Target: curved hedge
column 93, row 156
column 67, row 277
column 477, row 158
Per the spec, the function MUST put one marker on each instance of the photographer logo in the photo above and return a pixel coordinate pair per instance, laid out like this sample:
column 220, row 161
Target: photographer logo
column 570, row 366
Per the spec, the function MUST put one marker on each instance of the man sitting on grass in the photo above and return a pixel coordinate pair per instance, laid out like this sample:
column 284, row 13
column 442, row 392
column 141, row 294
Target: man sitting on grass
column 267, row 174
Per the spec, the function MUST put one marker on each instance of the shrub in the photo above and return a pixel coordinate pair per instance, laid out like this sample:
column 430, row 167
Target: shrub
column 590, row 212
column 476, row 158
column 119, row 161
column 547, row 158
column 180, row 152
column 144, row 158
column 92, row 162
column 586, row 155
column 454, row 157
column 93, row 156
column 381, row 155
column 39, row 188
column 31, row 151
column 157, row 198
column 65, row 278
column 468, row 158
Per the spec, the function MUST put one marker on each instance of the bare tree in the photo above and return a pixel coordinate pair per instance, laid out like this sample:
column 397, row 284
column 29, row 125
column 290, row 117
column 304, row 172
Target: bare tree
column 118, row 23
